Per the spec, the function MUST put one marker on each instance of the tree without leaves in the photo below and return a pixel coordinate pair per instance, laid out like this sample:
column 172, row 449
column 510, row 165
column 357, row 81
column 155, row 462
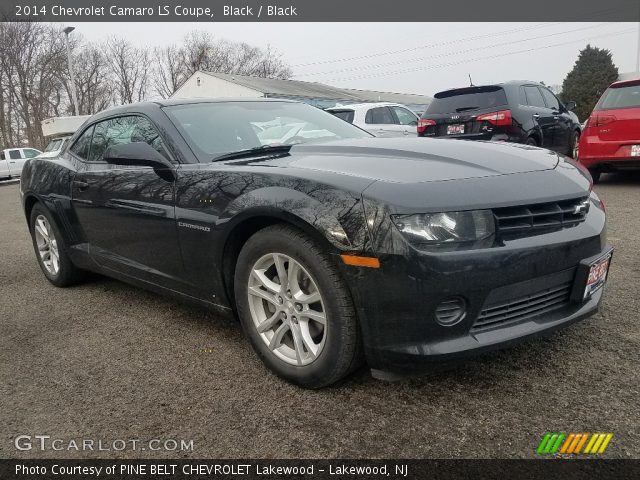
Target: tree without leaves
column 592, row 73
column 130, row 69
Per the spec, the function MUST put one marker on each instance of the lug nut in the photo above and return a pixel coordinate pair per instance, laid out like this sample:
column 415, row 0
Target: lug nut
column 298, row 307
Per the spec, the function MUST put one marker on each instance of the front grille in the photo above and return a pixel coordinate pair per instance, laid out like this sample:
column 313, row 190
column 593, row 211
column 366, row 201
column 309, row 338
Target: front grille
column 550, row 215
column 525, row 307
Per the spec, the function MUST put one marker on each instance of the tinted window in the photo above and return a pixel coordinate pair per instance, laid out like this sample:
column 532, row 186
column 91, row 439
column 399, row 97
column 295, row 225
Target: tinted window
column 620, row 97
column 121, row 131
column 405, row 116
column 534, row 97
column 81, row 145
column 30, row 153
column 467, row 99
column 215, row 128
column 2, row 157
column 14, row 154
column 379, row 115
column 550, row 98
column 346, row 115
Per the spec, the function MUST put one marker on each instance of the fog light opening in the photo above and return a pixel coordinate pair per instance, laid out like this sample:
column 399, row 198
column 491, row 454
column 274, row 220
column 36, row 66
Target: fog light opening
column 451, row 311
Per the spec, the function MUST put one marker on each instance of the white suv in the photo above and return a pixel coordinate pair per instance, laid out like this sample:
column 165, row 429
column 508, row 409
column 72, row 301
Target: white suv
column 12, row 160
column 380, row 119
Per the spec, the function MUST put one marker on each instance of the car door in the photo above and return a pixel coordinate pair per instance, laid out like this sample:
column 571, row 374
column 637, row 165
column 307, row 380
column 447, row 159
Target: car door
column 381, row 122
column 15, row 161
column 127, row 213
column 4, row 164
column 542, row 116
column 407, row 120
column 563, row 123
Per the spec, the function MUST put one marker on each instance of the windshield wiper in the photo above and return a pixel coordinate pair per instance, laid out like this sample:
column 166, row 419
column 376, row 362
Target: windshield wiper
column 277, row 148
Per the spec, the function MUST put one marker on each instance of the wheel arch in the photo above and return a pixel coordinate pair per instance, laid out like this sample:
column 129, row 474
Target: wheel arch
column 248, row 224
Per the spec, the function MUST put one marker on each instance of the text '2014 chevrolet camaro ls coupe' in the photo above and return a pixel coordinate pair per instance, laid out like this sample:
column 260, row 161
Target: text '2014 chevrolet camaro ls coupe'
column 332, row 247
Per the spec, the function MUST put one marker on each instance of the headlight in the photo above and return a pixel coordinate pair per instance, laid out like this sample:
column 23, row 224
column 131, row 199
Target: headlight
column 469, row 229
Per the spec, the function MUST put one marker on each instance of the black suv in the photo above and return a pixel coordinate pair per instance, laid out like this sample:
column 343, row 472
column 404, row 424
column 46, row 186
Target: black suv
column 515, row 111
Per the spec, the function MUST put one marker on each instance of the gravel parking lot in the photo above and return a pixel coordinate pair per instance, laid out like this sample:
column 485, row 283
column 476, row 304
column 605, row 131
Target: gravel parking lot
column 105, row 360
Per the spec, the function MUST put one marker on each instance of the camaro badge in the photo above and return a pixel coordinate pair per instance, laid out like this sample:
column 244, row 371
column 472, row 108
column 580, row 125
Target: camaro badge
column 194, row 227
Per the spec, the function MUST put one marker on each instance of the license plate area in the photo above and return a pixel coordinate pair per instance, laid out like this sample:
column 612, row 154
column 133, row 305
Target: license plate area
column 455, row 129
column 635, row 150
column 591, row 276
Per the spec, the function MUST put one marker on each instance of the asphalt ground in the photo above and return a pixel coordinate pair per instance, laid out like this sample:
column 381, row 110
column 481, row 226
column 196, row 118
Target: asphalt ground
column 105, row 360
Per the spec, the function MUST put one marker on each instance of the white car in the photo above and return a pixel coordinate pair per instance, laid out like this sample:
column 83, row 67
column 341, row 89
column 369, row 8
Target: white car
column 12, row 160
column 379, row 119
column 55, row 146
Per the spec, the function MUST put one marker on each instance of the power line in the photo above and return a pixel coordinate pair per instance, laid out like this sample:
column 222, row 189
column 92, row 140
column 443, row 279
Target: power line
column 447, row 54
column 489, row 57
column 421, row 47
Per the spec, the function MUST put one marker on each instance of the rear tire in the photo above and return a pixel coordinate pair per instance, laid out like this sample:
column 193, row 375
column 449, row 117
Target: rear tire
column 595, row 174
column 50, row 249
column 312, row 351
column 532, row 141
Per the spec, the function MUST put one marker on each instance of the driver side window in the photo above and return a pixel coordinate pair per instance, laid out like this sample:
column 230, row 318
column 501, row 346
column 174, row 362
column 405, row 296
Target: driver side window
column 121, row 131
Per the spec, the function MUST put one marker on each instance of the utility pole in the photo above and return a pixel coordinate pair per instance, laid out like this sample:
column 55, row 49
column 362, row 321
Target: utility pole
column 74, row 96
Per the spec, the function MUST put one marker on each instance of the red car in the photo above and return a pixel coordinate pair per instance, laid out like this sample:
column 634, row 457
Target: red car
column 611, row 139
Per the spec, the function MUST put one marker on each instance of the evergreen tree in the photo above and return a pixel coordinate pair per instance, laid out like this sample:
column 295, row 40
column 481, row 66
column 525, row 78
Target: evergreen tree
column 592, row 73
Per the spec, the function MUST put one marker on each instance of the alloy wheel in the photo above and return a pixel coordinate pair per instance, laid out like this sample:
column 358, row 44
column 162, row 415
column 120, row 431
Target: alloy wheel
column 47, row 245
column 287, row 309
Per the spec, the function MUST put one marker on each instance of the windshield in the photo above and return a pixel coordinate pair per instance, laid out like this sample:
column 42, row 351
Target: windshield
column 54, row 145
column 467, row 99
column 216, row 128
column 620, row 97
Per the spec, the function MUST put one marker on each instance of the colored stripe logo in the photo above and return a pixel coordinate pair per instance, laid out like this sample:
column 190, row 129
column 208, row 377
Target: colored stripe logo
column 574, row 443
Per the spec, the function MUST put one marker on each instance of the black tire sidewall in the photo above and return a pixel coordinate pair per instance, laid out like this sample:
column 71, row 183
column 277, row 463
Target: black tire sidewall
column 340, row 323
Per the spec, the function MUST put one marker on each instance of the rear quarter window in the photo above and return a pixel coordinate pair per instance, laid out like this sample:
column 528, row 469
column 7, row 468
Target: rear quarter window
column 346, row 115
column 620, row 97
column 467, row 99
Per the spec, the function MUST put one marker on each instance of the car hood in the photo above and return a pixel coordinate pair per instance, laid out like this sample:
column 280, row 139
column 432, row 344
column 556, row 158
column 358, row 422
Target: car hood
column 411, row 160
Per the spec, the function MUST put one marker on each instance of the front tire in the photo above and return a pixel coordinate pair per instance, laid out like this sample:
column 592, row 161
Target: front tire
column 295, row 308
column 50, row 249
column 532, row 141
column 595, row 174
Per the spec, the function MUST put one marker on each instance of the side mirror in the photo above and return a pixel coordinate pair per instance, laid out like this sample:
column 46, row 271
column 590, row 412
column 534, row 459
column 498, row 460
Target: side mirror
column 136, row 154
column 570, row 106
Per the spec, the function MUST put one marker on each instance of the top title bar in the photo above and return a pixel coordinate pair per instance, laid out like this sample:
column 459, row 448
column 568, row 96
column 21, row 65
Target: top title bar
column 319, row 10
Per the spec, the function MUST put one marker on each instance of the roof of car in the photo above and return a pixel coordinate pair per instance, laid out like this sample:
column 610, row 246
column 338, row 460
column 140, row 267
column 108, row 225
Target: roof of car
column 142, row 106
column 625, row 83
column 360, row 106
column 500, row 84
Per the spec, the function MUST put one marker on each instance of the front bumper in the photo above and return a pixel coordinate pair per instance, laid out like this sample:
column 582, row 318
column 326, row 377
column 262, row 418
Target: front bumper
column 398, row 301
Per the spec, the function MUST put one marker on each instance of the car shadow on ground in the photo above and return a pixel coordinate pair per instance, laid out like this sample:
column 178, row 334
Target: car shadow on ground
column 476, row 373
column 631, row 177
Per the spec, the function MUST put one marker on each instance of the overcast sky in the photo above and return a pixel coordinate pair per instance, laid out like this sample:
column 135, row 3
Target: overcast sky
column 407, row 57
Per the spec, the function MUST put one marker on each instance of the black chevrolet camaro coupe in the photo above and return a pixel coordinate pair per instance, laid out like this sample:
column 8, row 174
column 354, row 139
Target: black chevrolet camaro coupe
column 331, row 247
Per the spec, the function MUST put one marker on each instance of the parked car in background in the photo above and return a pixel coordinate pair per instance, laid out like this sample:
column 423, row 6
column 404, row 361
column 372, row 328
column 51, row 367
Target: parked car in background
column 379, row 119
column 59, row 130
column 611, row 138
column 12, row 160
column 55, row 146
column 515, row 111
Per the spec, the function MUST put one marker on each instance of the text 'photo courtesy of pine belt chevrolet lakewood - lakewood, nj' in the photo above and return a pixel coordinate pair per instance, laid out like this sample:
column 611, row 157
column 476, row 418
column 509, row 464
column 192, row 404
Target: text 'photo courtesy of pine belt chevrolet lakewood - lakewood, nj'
column 332, row 247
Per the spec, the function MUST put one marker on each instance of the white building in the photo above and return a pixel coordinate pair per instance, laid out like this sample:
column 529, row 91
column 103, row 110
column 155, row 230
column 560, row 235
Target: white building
column 220, row 85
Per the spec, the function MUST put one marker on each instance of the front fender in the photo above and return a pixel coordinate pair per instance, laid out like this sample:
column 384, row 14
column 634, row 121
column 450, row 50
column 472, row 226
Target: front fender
column 336, row 215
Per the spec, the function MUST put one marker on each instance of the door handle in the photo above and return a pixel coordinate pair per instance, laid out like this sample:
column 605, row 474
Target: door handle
column 536, row 116
column 82, row 186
